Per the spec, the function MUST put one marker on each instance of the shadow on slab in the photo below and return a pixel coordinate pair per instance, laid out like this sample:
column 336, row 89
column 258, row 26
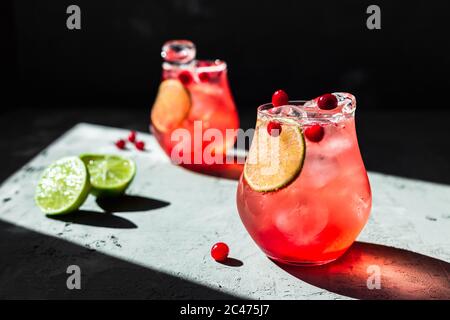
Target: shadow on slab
column 232, row 262
column 35, row 265
column 128, row 203
column 403, row 274
column 96, row 219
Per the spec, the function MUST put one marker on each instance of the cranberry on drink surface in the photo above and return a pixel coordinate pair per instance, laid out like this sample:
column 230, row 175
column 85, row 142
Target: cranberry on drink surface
column 327, row 101
column 140, row 145
column 185, row 77
column 314, row 133
column 120, row 144
column 274, row 128
column 280, row 98
column 220, row 251
column 203, row 76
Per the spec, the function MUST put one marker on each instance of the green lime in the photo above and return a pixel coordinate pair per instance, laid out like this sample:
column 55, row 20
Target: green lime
column 63, row 187
column 110, row 175
column 274, row 162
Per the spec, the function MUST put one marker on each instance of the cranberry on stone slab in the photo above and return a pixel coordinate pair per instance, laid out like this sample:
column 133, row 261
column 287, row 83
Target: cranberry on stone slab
column 140, row 145
column 220, row 251
column 120, row 144
column 132, row 136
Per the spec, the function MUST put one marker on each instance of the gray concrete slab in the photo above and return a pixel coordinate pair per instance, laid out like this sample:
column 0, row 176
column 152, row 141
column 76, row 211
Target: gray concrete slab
column 173, row 216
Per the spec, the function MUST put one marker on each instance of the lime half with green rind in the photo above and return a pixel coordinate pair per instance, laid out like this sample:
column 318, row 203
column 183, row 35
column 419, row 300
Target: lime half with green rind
column 110, row 175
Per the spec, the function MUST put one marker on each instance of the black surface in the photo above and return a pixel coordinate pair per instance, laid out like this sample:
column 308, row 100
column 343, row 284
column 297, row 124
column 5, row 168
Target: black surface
column 306, row 47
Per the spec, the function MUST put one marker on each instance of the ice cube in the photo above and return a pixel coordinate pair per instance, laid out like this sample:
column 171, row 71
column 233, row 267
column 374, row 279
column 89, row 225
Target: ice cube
column 310, row 104
column 320, row 170
column 178, row 51
column 336, row 144
column 296, row 112
column 302, row 223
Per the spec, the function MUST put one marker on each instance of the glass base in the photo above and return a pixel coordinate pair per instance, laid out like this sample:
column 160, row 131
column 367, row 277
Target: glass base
column 302, row 263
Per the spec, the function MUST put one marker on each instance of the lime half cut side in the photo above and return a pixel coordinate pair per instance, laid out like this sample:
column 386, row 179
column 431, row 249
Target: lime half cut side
column 110, row 175
column 63, row 187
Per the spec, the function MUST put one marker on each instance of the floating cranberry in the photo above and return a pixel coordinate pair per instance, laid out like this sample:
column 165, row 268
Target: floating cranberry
column 327, row 101
column 204, row 76
column 185, row 77
column 274, row 128
column 120, row 144
column 220, row 251
column 280, row 98
column 314, row 133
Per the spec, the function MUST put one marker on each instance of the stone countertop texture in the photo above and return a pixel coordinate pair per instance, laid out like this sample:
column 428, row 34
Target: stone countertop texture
column 155, row 243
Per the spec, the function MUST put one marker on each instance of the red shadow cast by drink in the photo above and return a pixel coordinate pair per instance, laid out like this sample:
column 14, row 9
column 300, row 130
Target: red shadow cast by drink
column 402, row 274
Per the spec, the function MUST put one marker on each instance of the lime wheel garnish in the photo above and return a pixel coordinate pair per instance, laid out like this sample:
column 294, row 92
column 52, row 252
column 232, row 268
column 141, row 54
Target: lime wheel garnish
column 274, row 162
column 171, row 106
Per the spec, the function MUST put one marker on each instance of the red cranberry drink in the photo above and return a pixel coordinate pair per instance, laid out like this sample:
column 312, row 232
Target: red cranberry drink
column 194, row 103
column 304, row 195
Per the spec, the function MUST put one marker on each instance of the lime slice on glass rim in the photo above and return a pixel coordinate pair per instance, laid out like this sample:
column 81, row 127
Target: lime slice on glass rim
column 274, row 162
column 63, row 186
column 171, row 106
column 109, row 175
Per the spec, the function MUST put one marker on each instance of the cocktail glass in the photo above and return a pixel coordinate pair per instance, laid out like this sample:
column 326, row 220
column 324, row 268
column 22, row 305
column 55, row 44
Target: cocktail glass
column 304, row 195
column 194, row 117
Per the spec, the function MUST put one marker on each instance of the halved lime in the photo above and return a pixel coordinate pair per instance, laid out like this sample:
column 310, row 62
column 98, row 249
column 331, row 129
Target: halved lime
column 110, row 175
column 274, row 162
column 63, row 187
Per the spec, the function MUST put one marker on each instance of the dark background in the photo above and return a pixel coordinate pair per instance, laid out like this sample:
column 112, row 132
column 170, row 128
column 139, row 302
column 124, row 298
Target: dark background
column 108, row 72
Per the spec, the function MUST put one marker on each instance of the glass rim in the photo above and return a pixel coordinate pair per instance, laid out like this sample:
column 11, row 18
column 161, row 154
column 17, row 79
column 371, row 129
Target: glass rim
column 217, row 66
column 346, row 109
